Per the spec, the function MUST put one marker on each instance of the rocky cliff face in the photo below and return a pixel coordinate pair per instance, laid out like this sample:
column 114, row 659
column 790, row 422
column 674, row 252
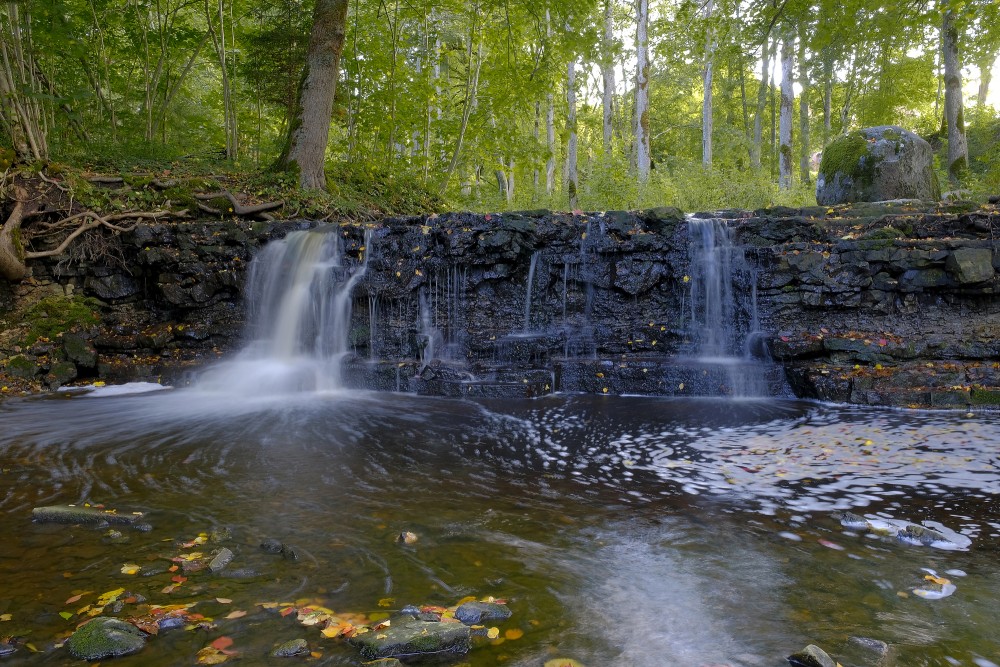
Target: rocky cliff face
column 876, row 304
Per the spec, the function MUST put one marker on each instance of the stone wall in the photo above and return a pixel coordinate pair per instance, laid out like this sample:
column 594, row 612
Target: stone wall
column 877, row 304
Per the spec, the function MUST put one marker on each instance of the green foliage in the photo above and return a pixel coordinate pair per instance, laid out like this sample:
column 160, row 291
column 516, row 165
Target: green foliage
column 55, row 315
column 845, row 156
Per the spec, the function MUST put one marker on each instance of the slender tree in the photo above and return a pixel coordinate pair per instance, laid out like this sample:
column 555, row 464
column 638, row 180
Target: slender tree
column 785, row 120
column 309, row 132
column 706, row 80
column 643, row 160
column 608, row 74
column 958, row 151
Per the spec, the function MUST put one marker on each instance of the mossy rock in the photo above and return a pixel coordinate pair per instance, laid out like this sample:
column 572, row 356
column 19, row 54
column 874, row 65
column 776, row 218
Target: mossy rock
column 22, row 367
column 877, row 164
column 105, row 638
column 412, row 638
column 54, row 315
column 60, row 373
column 985, row 396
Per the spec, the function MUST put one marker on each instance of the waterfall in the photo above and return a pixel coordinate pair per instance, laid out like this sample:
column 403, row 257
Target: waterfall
column 527, row 300
column 723, row 315
column 299, row 295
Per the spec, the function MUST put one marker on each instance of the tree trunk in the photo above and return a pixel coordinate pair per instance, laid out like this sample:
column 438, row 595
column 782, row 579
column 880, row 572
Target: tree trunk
column 985, row 78
column 12, row 265
column 571, row 172
column 828, row 79
column 309, row 132
column 608, row 72
column 643, row 161
column 550, row 125
column 958, row 151
column 785, row 120
column 758, row 117
column 804, row 174
column 537, row 135
column 706, row 100
column 471, row 87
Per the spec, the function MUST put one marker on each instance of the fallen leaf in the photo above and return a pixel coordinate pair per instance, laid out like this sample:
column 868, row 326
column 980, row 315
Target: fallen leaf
column 223, row 600
column 514, row 633
column 222, row 643
column 493, row 633
column 236, row 614
column 66, row 615
column 75, row 598
column 131, row 568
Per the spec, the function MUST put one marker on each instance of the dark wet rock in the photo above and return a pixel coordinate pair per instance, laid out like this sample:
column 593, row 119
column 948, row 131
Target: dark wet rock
column 79, row 350
column 970, row 265
column 171, row 622
column 7, row 649
column 474, row 613
column 220, row 534
column 223, row 558
column 105, row 638
column 920, row 535
column 291, row 648
column 290, row 553
column 271, row 546
column 115, row 537
column 876, row 647
column 111, row 288
column 410, row 637
column 142, row 527
column 153, row 570
column 877, row 164
column 86, row 515
column 811, row 656
column 60, row 373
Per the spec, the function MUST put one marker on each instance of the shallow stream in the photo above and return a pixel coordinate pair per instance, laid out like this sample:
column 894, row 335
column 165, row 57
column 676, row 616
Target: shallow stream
column 632, row 532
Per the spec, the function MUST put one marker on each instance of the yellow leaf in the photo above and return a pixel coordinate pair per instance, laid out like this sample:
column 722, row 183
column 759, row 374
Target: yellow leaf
column 6, row 617
column 109, row 597
column 386, row 602
column 514, row 633
column 130, row 568
column 493, row 633
column 940, row 581
column 331, row 631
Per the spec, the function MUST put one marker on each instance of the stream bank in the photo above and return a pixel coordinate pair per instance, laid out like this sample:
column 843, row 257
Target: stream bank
column 877, row 304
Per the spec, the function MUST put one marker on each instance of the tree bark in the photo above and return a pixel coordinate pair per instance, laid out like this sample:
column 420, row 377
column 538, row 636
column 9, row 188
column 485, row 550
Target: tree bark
column 309, row 132
column 785, row 119
column 643, row 161
column 804, row 174
column 608, row 72
column 758, row 117
column 571, row 171
column 985, row 78
column 828, row 80
column 550, row 124
column 706, row 100
column 958, row 151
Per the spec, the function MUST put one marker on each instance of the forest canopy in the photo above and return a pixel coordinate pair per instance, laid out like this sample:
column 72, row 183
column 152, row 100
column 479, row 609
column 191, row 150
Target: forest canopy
column 496, row 104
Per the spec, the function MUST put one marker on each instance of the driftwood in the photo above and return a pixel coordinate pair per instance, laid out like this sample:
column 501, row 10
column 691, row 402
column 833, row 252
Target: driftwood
column 238, row 209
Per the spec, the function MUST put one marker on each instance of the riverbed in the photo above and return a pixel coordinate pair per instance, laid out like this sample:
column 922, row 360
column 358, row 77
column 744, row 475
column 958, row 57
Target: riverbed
column 620, row 531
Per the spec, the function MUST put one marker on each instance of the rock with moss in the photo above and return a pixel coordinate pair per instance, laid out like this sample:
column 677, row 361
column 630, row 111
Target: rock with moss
column 291, row 648
column 877, row 164
column 105, row 638
column 413, row 637
column 970, row 265
column 22, row 367
column 811, row 656
column 83, row 515
column 60, row 373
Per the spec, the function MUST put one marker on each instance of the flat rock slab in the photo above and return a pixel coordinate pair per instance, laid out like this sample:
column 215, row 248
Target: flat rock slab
column 105, row 638
column 87, row 515
column 413, row 637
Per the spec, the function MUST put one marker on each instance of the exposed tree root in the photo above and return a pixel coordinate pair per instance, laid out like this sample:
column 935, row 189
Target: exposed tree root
column 238, row 208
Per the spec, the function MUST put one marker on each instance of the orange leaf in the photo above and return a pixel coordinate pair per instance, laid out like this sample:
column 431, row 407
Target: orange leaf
column 75, row 598
column 180, row 579
column 514, row 633
column 222, row 643
column 287, row 610
column 172, row 568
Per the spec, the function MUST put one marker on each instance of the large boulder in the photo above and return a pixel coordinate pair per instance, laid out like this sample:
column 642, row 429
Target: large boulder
column 877, row 164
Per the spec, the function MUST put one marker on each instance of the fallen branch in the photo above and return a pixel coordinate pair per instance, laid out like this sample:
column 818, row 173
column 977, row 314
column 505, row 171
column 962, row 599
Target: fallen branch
column 106, row 180
column 238, row 208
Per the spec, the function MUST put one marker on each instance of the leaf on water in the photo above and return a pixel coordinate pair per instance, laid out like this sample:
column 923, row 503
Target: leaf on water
column 315, row 654
column 75, row 598
column 131, row 568
column 169, row 589
column 223, row 600
column 514, row 633
column 331, row 631
column 287, row 610
column 6, row 617
column 109, row 597
column 222, row 643
column 177, row 578
column 236, row 614
column 940, row 581
column 211, row 656
column 493, row 633
column 66, row 615
column 386, row 602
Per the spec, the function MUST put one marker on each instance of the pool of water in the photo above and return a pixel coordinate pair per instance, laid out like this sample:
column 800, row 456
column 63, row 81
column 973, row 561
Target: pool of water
column 622, row 531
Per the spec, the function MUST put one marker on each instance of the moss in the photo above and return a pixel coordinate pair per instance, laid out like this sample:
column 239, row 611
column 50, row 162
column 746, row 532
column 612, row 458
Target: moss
column 21, row 367
column 15, row 238
column 889, row 233
column 985, row 396
column 55, row 315
column 221, row 204
column 181, row 197
column 847, row 156
column 892, row 135
column 137, row 182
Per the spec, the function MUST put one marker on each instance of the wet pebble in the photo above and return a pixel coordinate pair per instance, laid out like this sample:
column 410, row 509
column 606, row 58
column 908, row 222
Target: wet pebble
column 290, row 553
column 406, row 537
column 291, row 648
column 271, row 546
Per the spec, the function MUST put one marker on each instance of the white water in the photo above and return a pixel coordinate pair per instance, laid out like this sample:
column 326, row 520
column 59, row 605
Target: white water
column 299, row 293
column 723, row 306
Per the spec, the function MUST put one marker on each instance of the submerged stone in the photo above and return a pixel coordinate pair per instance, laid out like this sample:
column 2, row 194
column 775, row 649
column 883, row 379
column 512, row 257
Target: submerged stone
column 472, row 613
column 383, row 662
column 811, row 656
column 291, row 648
column 414, row 637
column 221, row 560
column 271, row 546
column 914, row 534
column 105, row 638
column 74, row 514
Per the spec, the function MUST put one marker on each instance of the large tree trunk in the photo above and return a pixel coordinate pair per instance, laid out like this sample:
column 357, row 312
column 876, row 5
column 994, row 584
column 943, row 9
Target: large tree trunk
column 550, row 126
column 608, row 72
column 803, row 108
column 571, row 172
column 706, row 100
column 309, row 132
column 643, row 161
column 958, row 151
column 758, row 117
column 785, row 119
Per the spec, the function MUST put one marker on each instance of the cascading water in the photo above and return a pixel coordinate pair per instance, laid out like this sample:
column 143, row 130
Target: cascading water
column 299, row 292
column 723, row 315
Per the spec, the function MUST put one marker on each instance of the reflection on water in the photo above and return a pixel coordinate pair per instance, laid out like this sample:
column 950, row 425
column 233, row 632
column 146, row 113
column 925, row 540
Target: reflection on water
column 623, row 531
